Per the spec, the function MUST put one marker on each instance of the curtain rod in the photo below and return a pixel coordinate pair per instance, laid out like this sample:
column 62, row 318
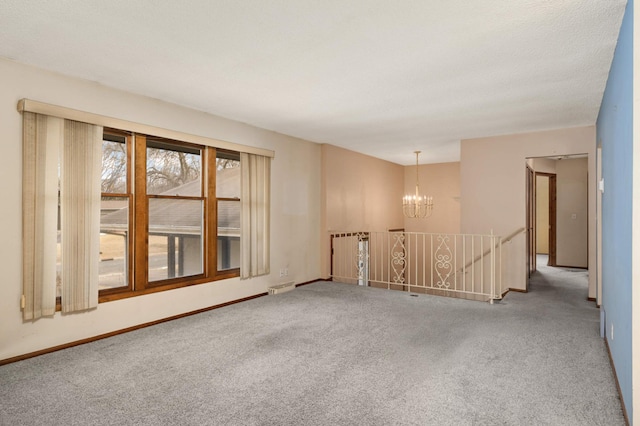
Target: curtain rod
column 101, row 120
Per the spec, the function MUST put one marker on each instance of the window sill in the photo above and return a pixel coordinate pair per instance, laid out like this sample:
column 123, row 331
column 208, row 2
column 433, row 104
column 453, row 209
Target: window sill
column 111, row 296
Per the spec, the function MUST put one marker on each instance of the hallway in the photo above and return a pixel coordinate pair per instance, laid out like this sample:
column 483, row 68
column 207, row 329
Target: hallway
column 570, row 285
column 556, row 315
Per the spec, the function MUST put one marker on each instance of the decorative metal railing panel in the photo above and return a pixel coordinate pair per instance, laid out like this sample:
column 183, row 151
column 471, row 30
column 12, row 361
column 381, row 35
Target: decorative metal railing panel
column 398, row 261
column 458, row 265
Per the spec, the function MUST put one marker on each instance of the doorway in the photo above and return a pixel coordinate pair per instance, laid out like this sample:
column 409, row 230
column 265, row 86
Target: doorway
column 545, row 215
column 541, row 218
column 557, row 211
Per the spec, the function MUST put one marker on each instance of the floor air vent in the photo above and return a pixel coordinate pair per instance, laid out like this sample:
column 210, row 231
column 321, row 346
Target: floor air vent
column 282, row 288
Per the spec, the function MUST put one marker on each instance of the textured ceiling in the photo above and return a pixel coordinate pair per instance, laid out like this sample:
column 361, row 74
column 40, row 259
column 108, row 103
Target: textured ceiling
column 380, row 77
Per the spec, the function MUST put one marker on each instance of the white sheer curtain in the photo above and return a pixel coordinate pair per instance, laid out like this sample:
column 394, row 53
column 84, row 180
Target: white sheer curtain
column 255, row 202
column 70, row 152
column 42, row 137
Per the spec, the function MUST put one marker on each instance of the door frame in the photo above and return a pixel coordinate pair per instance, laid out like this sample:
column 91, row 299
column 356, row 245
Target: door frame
column 553, row 208
column 530, row 221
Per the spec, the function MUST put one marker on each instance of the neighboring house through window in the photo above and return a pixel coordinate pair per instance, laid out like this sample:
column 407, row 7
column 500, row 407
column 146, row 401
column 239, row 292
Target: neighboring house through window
column 228, row 208
column 154, row 228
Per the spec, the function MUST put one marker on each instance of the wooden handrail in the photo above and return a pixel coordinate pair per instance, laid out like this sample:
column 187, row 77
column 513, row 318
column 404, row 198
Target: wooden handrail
column 502, row 241
column 513, row 235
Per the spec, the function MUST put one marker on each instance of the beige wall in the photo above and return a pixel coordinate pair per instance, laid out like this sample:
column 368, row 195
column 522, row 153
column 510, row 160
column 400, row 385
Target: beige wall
column 572, row 213
column 442, row 182
column 295, row 213
column 492, row 172
column 363, row 193
column 359, row 193
column 542, row 214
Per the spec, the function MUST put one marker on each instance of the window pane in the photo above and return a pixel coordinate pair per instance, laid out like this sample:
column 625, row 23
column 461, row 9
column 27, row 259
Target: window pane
column 228, row 235
column 173, row 170
column 228, row 175
column 114, row 235
column 114, row 165
column 175, row 238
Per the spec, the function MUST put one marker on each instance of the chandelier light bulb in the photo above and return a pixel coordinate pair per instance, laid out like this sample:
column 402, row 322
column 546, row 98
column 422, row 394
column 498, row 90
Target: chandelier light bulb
column 417, row 206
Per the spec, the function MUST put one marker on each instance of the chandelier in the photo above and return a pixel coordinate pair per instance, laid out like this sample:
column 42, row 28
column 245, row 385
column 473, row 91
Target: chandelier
column 417, row 206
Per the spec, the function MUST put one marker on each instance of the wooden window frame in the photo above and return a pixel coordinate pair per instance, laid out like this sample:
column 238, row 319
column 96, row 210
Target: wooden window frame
column 224, row 273
column 129, row 143
column 137, row 267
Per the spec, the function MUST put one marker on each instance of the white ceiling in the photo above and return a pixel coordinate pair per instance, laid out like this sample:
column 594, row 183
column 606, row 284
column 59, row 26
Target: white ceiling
column 380, row 77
